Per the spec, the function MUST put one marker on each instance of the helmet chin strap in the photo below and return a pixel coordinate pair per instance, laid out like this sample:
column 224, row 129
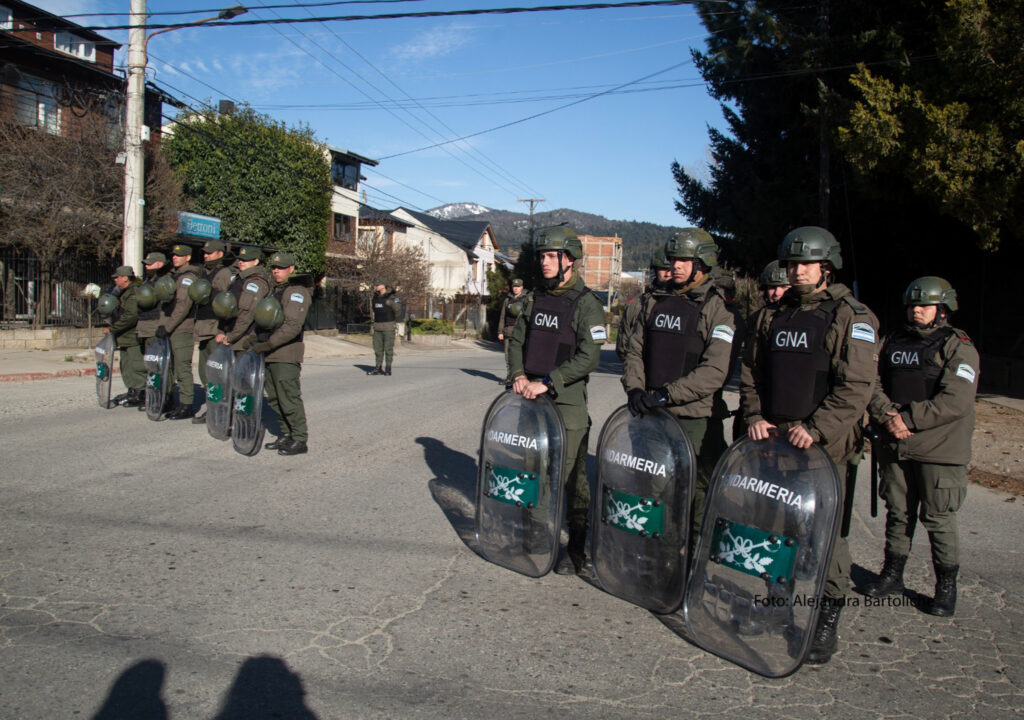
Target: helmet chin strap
column 552, row 283
column 688, row 282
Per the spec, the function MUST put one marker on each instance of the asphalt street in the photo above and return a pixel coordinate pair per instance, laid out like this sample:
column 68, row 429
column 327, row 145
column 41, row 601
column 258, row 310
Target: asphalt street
column 148, row 571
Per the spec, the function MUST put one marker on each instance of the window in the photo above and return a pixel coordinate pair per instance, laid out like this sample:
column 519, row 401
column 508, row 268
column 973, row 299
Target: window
column 6, row 18
column 74, row 45
column 36, row 104
column 345, row 174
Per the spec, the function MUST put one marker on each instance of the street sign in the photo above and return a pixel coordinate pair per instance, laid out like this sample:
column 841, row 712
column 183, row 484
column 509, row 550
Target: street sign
column 196, row 225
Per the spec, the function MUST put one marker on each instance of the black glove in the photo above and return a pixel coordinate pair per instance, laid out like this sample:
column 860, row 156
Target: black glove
column 161, row 332
column 656, row 399
column 636, row 402
column 261, row 347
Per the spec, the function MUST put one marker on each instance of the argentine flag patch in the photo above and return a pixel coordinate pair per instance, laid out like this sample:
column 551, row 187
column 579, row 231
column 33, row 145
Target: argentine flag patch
column 862, row 331
column 966, row 372
column 723, row 332
column 186, row 281
column 296, row 297
column 252, row 287
column 598, row 334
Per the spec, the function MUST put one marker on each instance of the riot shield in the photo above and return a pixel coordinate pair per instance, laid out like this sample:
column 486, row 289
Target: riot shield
column 105, row 371
column 247, row 421
column 219, row 366
column 521, row 484
column 645, row 475
column 158, row 381
column 760, row 565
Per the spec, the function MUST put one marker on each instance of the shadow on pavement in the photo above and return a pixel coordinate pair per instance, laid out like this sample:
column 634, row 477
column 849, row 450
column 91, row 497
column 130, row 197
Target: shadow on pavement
column 453, row 487
column 135, row 695
column 264, row 689
column 483, row 374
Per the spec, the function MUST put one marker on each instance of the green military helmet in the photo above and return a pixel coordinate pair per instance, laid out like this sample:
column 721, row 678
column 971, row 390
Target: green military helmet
column 145, row 296
column 660, row 262
column 107, row 304
column 930, row 290
column 559, row 238
column 811, row 244
column 200, row 290
column 165, row 288
column 692, row 243
column 225, row 305
column 774, row 275
column 268, row 313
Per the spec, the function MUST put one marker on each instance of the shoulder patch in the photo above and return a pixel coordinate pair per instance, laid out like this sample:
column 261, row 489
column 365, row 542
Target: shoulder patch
column 598, row 333
column 297, row 297
column 862, row 331
column 186, row 281
column 252, row 287
column 723, row 332
column 966, row 372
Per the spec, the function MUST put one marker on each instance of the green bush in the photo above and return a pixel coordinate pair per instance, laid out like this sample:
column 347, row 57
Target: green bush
column 432, row 326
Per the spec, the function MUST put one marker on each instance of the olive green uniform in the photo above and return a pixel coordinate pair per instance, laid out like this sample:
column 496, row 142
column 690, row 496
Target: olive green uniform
column 853, row 363
column 256, row 283
column 283, row 355
column 149, row 320
column 568, row 388
column 691, row 397
column 133, row 371
column 206, row 323
column 176, row 317
column 925, row 475
column 506, row 323
column 627, row 325
column 384, row 310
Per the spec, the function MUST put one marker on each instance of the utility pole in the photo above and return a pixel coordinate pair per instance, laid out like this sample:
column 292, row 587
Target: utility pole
column 532, row 201
column 134, row 163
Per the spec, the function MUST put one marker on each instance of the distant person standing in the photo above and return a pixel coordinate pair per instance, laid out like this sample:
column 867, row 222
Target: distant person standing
column 178, row 321
column 219, row 275
column 660, row 279
column 924, row 405
column 507, row 320
column 250, row 285
column 385, row 308
column 133, row 371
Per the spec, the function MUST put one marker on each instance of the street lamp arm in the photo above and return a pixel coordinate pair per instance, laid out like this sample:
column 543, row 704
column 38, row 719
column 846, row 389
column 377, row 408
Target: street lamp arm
column 225, row 14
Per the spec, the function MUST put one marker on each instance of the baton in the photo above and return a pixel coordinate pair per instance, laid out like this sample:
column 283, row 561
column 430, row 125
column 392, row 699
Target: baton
column 872, row 435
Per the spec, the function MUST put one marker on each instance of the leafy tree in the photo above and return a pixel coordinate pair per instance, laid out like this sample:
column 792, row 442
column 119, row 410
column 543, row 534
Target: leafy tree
column 269, row 185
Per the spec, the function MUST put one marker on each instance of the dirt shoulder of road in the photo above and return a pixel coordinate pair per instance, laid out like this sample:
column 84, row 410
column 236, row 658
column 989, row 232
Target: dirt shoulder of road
column 997, row 448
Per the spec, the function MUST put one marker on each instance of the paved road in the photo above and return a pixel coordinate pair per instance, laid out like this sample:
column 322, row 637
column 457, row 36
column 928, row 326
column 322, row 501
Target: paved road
column 147, row 571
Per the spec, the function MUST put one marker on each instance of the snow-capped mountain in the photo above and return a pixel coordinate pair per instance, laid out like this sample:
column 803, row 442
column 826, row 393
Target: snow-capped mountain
column 457, row 210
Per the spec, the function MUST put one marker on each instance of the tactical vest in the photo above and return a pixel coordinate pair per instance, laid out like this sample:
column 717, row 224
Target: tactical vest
column 550, row 337
column 672, row 345
column 383, row 311
column 907, row 374
column 799, row 366
column 510, row 319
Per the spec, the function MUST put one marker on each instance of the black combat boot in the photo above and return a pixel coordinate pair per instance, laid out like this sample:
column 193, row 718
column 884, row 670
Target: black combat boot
column 294, row 447
column 376, row 371
column 944, row 602
column 183, row 412
column 199, row 419
column 890, row 580
column 387, row 369
column 279, row 443
column 823, row 643
column 575, row 550
column 135, row 398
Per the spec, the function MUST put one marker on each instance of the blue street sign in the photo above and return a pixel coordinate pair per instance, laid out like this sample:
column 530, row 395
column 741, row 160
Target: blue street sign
column 196, row 225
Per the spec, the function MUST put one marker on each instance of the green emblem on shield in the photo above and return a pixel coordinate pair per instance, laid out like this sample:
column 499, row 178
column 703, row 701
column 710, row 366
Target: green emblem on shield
column 512, row 486
column 244, row 404
column 753, row 551
column 214, row 392
column 153, row 380
column 633, row 513
column 102, row 370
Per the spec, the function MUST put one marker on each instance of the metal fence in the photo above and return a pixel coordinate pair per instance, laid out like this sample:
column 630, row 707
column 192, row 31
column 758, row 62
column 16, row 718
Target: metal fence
column 37, row 294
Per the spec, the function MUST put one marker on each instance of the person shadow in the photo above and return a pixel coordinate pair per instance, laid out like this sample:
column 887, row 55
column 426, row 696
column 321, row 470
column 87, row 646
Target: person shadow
column 473, row 372
column 265, row 689
column 135, row 695
column 453, row 486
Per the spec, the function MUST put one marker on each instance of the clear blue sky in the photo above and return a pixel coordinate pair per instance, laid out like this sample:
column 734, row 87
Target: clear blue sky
column 383, row 88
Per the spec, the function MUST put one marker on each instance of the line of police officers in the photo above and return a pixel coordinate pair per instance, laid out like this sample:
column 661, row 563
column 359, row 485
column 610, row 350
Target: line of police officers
column 239, row 304
column 810, row 373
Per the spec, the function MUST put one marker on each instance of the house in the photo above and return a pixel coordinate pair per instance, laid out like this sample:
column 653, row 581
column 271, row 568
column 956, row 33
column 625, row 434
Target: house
column 346, row 172
column 602, row 263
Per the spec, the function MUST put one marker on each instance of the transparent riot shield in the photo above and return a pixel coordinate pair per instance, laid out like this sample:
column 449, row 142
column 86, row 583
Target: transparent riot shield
column 219, row 366
column 247, row 421
column 158, row 381
column 760, row 565
column 104, row 371
column 645, row 475
column 520, row 485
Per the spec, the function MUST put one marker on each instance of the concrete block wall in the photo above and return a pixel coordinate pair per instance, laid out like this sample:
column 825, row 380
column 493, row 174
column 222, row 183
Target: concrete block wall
column 48, row 338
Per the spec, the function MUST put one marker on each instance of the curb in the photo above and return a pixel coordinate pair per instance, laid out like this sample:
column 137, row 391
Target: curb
column 28, row 376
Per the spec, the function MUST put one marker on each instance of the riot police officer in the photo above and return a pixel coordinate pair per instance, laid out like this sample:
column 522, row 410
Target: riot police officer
column 507, row 319
column 157, row 267
column 660, row 277
column 249, row 285
column 219, row 276
column 384, row 311
column 283, row 351
column 177, row 321
column 774, row 282
column 679, row 355
column 133, row 371
column 555, row 345
column 807, row 374
column 923, row 404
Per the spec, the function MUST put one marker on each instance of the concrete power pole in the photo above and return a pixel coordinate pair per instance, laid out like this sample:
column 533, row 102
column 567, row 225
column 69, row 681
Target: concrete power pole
column 134, row 165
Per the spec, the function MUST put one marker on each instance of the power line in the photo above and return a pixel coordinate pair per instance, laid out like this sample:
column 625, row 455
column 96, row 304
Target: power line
column 172, row 13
